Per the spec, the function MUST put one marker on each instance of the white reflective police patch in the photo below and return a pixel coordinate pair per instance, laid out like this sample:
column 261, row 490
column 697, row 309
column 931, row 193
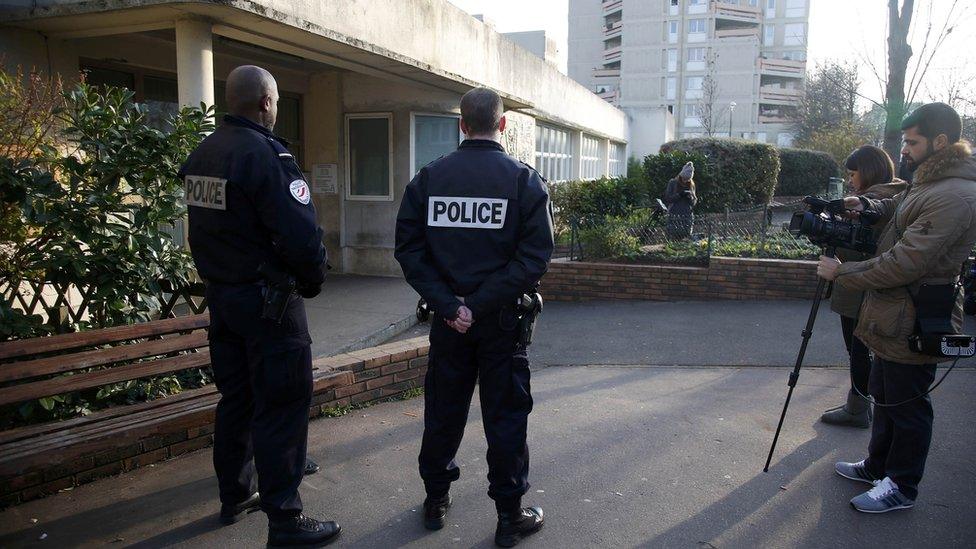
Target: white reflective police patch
column 299, row 190
column 205, row 192
column 466, row 212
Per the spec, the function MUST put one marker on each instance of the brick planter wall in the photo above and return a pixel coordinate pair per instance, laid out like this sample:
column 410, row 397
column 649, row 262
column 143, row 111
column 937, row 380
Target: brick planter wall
column 724, row 278
column 371, row 374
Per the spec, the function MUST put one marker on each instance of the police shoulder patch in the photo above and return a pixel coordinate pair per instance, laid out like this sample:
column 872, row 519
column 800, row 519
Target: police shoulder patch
column 466, row 212
column 299, row 191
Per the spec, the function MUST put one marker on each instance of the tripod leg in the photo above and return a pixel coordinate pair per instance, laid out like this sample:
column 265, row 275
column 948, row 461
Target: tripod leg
column 795, row 374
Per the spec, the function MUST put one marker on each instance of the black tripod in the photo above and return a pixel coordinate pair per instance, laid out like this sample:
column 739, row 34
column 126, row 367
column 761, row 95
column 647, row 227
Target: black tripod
column 795, row 375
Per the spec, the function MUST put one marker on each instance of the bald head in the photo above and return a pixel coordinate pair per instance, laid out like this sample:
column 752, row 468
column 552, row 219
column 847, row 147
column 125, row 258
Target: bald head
column 253, row 93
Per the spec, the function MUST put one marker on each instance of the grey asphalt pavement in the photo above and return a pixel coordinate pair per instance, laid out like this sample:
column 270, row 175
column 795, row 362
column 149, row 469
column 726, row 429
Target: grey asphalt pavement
column 650, row 428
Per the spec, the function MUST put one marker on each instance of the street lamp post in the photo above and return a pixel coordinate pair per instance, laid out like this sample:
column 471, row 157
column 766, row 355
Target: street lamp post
column 731, row 110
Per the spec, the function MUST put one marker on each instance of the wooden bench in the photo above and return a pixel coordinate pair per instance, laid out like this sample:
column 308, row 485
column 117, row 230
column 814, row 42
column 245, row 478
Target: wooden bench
column 35, row 368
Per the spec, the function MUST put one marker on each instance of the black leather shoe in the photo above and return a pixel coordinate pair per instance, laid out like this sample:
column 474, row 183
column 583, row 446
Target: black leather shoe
column 229, row 514
column 435, row 511
column 310, row 467
column 512, row 527
column 301, row 530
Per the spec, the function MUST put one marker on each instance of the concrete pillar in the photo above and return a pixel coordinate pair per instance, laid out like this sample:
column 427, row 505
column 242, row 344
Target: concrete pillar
column 194, row 62
column 607, row 147
column 576, row 172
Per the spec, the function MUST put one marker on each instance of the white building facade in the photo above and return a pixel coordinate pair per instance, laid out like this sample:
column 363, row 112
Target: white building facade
column 369, row 90
column 717, row 67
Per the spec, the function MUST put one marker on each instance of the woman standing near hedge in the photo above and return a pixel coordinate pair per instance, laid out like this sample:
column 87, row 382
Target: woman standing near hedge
column 870, row 172
column 680, row 198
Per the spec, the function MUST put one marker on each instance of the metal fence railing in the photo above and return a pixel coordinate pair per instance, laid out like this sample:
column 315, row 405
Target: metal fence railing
column 649, row 236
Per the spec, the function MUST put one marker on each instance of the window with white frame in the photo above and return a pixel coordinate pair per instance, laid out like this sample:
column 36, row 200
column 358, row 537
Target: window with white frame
column 697, row 6
column 671, row 88
column 697, row 26
column 591, row 158
column 617, row 161
column 693, row 112
column 753, row 3
column 553, row 152
column 795, row 55
column 433, row 136
column 673, row 9
column 693, row 87
column 672, row 32
column 369, row 156
column 696, row 59
column 672, row 60
column 769, row 35
column 794, row 34
column 770, row 8
column 796, row 8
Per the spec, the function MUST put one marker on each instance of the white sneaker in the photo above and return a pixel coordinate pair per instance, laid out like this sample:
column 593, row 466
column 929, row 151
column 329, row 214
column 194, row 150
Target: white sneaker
column 884, row 497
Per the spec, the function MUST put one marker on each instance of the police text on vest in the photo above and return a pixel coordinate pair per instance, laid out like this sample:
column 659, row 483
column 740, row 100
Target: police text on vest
column 466, row 213
column 205, row 192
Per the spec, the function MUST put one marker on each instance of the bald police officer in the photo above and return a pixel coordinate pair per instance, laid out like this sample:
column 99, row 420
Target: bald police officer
column 252, row 224
column 474, row 233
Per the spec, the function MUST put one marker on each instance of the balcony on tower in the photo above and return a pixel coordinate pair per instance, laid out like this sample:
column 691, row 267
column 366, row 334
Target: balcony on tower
column 612, row 6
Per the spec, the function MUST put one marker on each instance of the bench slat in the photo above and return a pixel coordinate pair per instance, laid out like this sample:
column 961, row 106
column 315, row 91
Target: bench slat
column 100, row 357
column 54, row 448
column 65, row 384
column 29, row 431
column 38, row 345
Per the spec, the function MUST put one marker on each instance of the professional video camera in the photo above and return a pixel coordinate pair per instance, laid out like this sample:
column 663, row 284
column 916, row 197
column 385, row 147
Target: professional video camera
column 824, row 225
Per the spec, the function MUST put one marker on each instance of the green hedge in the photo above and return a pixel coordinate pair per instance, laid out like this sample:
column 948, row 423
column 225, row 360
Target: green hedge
column 736, row 173
column 588, row 203
column 804, row 172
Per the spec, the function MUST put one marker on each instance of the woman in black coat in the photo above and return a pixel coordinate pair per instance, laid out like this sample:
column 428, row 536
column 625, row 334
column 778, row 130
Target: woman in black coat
column 680, row 198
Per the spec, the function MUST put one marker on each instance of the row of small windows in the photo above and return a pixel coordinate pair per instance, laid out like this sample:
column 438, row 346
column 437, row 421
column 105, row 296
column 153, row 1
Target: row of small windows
column 794, row 8
column 554, row 155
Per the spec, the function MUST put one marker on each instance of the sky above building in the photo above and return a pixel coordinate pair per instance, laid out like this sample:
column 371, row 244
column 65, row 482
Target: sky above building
column 844, row 30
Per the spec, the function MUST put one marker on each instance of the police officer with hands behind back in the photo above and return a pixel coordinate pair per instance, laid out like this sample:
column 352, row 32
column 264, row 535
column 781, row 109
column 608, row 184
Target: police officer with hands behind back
column 253, row 226
column 473, row 235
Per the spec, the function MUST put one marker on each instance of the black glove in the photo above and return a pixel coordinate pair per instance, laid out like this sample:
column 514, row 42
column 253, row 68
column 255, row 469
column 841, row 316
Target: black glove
column 309, row 291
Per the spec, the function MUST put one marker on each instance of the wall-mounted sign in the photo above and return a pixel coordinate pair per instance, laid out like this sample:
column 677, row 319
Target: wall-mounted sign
column 325, row 178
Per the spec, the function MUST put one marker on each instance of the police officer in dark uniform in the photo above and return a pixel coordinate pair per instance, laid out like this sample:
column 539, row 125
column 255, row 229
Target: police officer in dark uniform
column 253, row 233
column 474, row 233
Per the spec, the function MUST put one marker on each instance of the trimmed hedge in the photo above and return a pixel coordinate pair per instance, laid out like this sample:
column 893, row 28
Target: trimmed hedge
column 804, row 172
column 738, row 173
column 588, row 203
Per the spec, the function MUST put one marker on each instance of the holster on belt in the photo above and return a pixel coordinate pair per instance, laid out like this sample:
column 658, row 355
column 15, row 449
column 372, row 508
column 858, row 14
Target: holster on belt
column 527, row 310
column 279, row 287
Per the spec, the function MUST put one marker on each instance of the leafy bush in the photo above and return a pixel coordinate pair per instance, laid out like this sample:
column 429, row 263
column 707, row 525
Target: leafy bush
column 92, row 212
column 803, row 172
column 609, row 240
column 587, row 203
column 739, row 173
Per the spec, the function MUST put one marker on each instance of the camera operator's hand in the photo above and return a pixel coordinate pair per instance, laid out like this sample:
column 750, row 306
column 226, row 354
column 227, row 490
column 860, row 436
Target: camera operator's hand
column 827, row 268
column 853, row 203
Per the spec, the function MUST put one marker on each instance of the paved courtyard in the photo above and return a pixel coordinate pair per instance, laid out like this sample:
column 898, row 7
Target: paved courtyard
column 635, row 447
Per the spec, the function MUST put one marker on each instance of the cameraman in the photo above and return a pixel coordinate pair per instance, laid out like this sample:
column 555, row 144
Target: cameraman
column 931, row 231
column 870, row 171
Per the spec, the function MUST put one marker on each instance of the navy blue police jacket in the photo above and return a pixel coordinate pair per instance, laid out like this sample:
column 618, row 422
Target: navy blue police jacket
column 249, row 204
column 477, row 224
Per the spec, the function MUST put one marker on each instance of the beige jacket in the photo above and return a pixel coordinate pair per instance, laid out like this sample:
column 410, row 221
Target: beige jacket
column 931, row 232
column 846, row 301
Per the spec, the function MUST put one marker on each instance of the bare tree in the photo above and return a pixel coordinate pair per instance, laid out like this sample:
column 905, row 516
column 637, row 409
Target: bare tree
column 829, row 100
column 709, row 112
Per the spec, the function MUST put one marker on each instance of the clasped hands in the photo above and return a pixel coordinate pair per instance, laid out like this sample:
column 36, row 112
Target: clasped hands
column 464, row 319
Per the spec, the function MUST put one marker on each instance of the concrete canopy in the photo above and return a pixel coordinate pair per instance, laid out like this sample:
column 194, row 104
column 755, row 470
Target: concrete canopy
column 428, row 43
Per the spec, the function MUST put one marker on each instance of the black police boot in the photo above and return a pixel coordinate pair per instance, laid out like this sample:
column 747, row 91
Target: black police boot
column 229, row 514
column 435, row 511
column 301, row 530
column 310, row 467
column 512, row 527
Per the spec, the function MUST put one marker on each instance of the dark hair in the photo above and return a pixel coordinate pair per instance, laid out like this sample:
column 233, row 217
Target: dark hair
column 481, row 110
column 933, row 119
column 874, row 165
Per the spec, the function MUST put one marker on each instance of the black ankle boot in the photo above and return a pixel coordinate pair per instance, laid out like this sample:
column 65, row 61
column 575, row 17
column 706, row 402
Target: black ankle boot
column 435, row 511
column 229, row 514
column 301, row 530
column 512, row 527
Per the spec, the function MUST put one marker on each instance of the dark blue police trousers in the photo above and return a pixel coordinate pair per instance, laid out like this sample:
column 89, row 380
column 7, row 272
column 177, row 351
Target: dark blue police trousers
column 263, row 371
column 488, row 355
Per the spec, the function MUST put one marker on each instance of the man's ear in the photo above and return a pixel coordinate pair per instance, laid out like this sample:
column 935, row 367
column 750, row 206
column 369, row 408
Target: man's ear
column 265, row 105
column 501, row 124
column 464, row 127
column 940, row 142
